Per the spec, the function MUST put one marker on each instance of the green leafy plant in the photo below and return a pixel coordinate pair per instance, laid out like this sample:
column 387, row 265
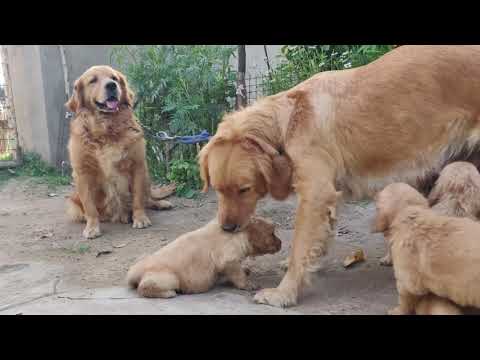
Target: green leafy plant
column 181, row 90
column 300, row 62
column 185, row 174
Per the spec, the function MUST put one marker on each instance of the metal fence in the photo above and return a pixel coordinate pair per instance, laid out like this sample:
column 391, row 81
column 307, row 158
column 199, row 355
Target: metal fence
column 256, row 88
column 9, row 155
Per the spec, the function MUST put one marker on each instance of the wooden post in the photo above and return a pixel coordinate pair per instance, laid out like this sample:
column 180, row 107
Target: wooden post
column 241, row 93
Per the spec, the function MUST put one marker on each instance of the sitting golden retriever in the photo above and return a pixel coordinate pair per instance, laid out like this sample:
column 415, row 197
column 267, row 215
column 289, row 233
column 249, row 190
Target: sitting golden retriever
column 431, row 253
column 107, row 154
column 455, row 193
column 353, row 131
column 193, row 262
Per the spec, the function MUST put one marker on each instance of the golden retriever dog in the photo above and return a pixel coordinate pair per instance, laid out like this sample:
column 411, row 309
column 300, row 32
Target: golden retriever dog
column 432, row 254
column 351, row 131
column 107, row 154
column 456, row 192
column 193, row 262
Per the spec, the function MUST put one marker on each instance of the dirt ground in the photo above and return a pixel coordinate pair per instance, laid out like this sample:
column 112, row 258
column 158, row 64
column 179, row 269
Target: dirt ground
column 34, row 230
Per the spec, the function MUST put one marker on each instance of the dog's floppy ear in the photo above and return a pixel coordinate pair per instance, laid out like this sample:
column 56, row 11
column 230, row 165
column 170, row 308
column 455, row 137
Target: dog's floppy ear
column 203, row 160
column 128, row 96
column 76, row 100
column 261, row 144
column 281, row 186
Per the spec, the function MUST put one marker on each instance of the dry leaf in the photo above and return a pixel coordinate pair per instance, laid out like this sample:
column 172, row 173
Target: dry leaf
column 356, row 257
column 120, row 245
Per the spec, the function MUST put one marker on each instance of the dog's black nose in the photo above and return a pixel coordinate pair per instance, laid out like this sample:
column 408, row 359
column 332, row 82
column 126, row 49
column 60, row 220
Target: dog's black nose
column 111, row 86
column 229, row 227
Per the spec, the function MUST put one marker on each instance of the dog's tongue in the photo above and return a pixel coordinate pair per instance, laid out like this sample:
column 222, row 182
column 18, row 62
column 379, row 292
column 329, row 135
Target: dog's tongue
column 112, row 104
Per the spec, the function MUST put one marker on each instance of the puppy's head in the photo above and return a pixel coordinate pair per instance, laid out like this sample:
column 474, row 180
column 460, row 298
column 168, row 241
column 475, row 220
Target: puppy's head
column 101, row 89
column 459, row 181
column 262, row 238
column 242, row 166
column 391, row 200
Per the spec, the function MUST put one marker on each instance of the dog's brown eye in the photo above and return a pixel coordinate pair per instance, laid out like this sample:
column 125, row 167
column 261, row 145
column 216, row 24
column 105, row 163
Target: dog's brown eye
column 93, row 81
column 244, row 190
column 114, row 78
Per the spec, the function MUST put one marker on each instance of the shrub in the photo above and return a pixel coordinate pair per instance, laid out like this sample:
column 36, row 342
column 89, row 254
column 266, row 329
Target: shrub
column 181, row 90
column 303, row 61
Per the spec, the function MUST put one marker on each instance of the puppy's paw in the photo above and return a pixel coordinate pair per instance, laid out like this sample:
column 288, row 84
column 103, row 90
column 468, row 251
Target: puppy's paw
column 92, row 231
column 386, row 261
column 141, row 221
column 275, row 297
column 248, row 286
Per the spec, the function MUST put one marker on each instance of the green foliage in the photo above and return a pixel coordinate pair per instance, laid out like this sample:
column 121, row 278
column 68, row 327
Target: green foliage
column 186, row 175
column 34, row 167
column 303, row 61
column 181, row 89
column 6, row 156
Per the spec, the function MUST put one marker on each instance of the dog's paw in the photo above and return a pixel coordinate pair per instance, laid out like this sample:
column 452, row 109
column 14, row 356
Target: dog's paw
column 386, row 261
column 141, row 222
column 164, row 205
column 92, row 232
column 275, row 297
column 160, row 205
column 396, row 311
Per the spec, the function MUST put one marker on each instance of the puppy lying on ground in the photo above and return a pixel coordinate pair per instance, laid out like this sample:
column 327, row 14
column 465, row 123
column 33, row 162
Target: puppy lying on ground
column 432, row 254
column 193, row 262
column 455, row 193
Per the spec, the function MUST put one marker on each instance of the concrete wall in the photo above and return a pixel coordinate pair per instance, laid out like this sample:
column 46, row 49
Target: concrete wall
column 38, row 88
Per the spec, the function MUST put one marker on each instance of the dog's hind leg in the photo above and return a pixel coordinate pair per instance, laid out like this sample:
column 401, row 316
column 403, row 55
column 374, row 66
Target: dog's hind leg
column 75, row 208
column 162, row 284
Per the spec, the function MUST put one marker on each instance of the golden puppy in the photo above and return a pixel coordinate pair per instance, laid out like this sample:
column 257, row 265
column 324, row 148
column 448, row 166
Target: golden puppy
column 354, row 131
column 455, row 193
column 193, row 262
column 431, row 253
column 107, row 154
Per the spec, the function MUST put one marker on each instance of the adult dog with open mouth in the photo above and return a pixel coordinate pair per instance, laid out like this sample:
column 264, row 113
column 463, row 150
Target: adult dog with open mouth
column 354, row 131
column 107, row 154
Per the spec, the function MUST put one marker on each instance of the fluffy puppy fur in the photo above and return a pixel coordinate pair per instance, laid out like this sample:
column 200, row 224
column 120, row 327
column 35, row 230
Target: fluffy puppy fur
column 456, row 192
column 193, row 262
column 107, row 154
column 432, row 254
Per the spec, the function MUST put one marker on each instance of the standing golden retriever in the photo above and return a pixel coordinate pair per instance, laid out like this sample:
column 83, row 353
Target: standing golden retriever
column 353, row 130
column 107, row 154
column 436, row 258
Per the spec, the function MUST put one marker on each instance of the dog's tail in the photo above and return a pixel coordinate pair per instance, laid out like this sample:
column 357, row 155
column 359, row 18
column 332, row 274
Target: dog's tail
column 75, row 208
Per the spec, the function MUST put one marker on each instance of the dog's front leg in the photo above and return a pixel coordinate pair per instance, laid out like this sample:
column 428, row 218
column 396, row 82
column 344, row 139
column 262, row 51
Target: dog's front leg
column 92, row 229
column 314, row 230
column 140, row 219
